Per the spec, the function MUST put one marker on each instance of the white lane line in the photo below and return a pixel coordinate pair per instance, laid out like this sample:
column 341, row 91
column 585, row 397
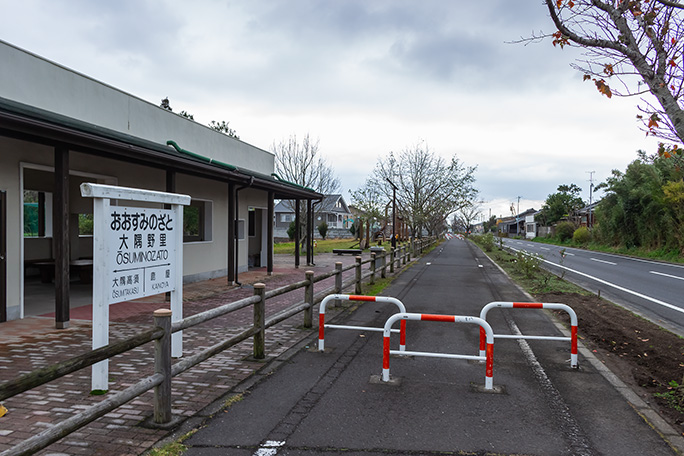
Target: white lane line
column 569, row 254
column 544, row 248
column 666, row 275
column 618, row 287
column 603, row 261
column 269, row 448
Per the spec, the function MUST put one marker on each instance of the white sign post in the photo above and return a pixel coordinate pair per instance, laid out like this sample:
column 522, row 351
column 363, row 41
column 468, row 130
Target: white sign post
column 137, row 252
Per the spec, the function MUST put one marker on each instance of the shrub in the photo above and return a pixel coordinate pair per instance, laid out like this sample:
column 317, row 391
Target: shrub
column 291, row 230
column 487, row 241
column 528, row 264
column 564, row 231
column 582, row 235
column 323, row 229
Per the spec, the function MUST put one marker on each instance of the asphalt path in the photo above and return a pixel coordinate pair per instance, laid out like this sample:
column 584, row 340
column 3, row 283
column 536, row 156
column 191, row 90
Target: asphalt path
column 653, row 289
column 333, row 403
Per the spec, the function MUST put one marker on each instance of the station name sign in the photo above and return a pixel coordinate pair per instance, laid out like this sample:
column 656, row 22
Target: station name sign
column 140, row 252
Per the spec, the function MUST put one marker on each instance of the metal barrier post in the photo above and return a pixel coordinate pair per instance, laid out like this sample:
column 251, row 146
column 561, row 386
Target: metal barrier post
column 536, row 305
column 372, row 268
column 162, row 365
column 384, row 299
column 338, row 281
column 489, row 351
column 259, row 319
column 309, row 297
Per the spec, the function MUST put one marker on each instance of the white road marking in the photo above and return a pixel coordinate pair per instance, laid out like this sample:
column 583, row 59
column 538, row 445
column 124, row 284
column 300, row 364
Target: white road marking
column 269, row 448
column 618, row 287
column 544, row 248
column 603, row 261
column 666, row 275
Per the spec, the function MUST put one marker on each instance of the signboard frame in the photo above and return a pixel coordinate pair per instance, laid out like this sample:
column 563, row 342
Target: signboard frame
column 102, row 196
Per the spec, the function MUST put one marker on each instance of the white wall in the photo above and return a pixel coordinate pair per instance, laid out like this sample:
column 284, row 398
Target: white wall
column 32, row 80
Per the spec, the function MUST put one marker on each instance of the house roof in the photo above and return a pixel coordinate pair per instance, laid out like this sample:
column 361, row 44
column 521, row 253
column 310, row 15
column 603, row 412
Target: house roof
column 33, row 124
column 328, row 204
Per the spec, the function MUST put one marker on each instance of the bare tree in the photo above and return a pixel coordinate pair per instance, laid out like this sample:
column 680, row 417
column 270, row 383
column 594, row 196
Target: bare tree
column 633, row 47
column 429, row 187
column 467, row 215
column 301, row 163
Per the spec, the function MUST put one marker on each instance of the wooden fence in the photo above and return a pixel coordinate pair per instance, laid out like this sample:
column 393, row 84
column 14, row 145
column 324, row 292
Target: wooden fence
column 161, row 332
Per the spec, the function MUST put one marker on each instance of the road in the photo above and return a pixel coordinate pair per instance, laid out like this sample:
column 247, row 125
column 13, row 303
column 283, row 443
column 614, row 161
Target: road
column 654, row 290
column 324, row 404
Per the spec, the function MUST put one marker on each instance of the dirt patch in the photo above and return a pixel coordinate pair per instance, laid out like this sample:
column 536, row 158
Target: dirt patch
column 643, row 355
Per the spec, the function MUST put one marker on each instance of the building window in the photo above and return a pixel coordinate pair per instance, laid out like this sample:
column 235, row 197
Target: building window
column 197, row 221
column 37, row 214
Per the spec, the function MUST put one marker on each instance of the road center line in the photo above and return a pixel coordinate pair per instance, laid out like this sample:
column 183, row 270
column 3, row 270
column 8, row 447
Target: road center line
column 603, row 261
column 666, row 275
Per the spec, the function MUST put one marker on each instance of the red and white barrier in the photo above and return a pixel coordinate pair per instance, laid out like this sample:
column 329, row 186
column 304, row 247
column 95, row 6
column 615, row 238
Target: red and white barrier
column 385, row 299
column 488, row 356
column 534, row 305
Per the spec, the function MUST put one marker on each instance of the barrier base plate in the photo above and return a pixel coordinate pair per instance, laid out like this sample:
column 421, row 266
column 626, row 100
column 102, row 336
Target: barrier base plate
column 314, row 349
column 496, row 389
column 377, row 380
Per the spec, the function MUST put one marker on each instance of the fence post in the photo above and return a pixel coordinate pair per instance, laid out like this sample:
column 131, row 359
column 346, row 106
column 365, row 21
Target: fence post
column 383, row 272
column 357, row 288
column 398, row 258
column 309, row 297
column 372, row 268
column 259, row 321
column 391, row 260
column 162, row 365
column 405, row 254
column 338, row 282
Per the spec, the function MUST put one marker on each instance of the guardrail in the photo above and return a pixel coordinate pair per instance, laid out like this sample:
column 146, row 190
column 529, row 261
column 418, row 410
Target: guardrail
column 382, row 299
column 164, row 369
column 488, row 357
column 534, row 305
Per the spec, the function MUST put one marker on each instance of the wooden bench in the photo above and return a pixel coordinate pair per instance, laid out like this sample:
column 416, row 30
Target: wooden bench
column 83, row 268
column 349, row 251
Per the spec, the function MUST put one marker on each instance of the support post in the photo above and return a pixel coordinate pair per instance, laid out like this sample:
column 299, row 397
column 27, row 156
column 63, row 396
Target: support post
column 391, row 260
column 259, row 321
column 372, row 268
column 297, row 228
column 162, row 365
column 309, row 297
column 338, row 282
column 60, row 213
column 357, row 288
column 404, row 249
column 269, row 241
column 231, row 233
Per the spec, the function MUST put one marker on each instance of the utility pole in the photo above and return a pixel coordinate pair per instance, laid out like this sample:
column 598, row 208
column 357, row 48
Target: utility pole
column 394, row 213
column 591, row 191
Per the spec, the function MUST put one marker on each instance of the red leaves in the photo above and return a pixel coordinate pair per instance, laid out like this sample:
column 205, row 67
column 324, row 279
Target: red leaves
column 603, row 88
column 601, row 85
column 560, row 39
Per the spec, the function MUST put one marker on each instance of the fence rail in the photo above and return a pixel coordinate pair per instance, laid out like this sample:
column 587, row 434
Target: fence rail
column 161, row 334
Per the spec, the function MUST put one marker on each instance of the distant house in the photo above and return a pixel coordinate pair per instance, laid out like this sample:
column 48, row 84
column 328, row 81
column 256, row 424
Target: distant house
column 517, row 225
column 332, row 210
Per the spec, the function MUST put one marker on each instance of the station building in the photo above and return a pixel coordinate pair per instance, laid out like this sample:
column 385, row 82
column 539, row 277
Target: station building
column 60, row 128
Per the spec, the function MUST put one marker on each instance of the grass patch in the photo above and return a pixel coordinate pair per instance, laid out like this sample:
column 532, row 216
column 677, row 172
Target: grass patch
column 322, row 246
column 533, row 279
column 172, row 448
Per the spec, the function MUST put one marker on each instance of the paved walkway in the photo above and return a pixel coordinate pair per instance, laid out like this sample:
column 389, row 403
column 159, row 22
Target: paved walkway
column 33, row 343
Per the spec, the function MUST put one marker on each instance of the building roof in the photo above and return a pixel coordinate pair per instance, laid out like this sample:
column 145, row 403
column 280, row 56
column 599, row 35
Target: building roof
column 37, row 125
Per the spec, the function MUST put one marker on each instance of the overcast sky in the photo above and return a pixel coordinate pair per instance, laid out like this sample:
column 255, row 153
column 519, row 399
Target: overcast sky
column 366, row 77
